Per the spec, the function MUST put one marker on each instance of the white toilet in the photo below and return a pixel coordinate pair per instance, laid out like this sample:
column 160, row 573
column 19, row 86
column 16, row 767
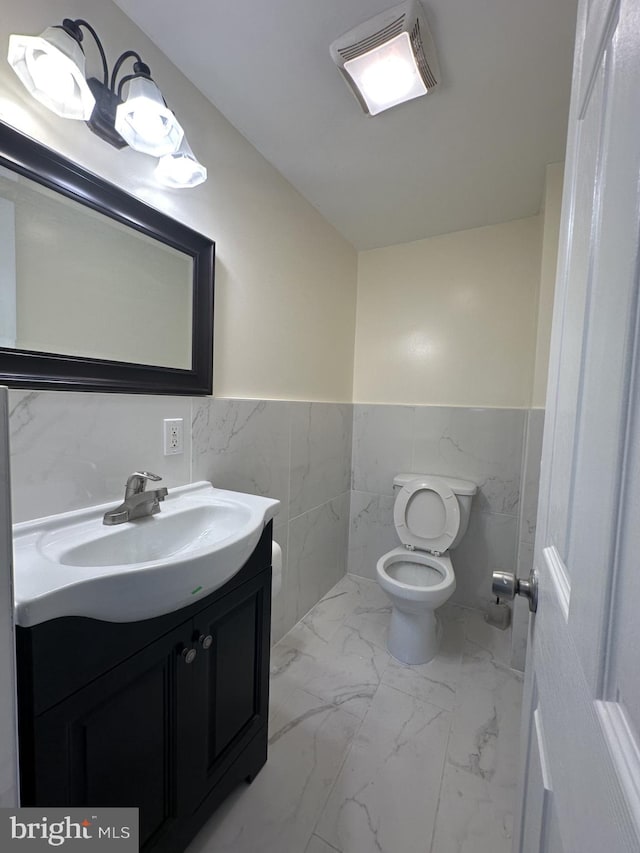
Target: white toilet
column 431, row 515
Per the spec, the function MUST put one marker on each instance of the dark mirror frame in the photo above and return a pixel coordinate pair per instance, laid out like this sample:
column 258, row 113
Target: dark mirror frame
column 28, row 369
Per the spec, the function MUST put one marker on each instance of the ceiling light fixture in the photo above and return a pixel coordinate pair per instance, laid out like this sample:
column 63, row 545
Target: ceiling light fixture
column 388, row 59
column 52, row 68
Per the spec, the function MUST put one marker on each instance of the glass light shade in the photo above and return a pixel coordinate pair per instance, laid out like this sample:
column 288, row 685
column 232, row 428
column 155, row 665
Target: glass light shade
column 51, row 67
column 145, row 122
column 181, row 169
column 387, row 75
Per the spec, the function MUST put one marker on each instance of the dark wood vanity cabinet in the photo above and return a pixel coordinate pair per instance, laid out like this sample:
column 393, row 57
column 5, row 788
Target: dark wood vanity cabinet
column 173, row 718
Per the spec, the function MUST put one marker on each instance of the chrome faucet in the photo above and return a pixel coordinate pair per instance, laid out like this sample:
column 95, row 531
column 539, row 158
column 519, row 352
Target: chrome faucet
column 137, row 503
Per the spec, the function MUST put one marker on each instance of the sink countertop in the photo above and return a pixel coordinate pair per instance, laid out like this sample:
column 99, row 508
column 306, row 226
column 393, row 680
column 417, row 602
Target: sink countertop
column 72, row 565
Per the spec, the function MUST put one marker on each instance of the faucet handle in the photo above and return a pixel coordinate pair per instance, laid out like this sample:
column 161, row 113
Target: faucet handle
column 137, row 481
column 147, row 475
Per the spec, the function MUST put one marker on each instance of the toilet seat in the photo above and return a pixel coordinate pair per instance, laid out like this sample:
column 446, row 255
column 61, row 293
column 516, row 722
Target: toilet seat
column 433, row 527
column 392, row 577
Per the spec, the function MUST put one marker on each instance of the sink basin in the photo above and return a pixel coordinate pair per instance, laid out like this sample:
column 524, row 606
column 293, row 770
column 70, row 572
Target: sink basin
column 73, row 565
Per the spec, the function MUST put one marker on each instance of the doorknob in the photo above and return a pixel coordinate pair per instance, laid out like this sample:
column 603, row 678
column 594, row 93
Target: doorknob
column 506, row 585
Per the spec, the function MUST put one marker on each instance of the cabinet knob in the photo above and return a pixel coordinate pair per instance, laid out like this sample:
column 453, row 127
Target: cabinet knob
column 189, row 655
column 205, row 642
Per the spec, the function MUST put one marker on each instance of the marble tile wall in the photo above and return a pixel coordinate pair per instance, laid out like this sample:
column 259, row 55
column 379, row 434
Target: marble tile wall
column 70, row 450
column 299, row 453
column 482, row 445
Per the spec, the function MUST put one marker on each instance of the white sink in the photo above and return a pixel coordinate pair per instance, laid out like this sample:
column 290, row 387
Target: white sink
column 73, row 565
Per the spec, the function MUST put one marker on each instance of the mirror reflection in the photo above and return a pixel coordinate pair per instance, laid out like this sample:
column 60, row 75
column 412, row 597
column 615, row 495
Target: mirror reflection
column 76, row 282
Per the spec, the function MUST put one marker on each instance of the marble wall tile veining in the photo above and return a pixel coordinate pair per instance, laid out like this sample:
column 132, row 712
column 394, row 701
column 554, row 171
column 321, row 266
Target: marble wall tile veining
column 489, row 543
column 243, row 445
column 372, row 532
column 320, row 443
column 531, row 475
column 70, row 450
column 481, row 445
column 342, row 507
column 316, row 542
column 299, row 453
column 382, row 446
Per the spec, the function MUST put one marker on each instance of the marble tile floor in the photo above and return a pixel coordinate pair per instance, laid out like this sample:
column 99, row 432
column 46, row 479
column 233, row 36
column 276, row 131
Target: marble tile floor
column 367, row 755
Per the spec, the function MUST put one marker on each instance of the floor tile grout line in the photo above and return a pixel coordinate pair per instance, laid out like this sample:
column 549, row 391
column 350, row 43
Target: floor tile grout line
column 337, row 707
column 444, row 768
column 415, row 698
column 324, row 841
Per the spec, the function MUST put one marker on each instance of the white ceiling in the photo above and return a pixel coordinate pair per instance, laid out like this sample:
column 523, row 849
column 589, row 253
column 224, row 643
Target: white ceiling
column 471, row 153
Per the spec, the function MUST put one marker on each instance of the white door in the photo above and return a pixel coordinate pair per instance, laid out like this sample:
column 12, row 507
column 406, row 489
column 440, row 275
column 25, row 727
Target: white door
column 580, row 791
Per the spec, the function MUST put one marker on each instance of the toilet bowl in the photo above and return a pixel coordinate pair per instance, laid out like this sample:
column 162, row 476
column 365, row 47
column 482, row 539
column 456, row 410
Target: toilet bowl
column 430, row 515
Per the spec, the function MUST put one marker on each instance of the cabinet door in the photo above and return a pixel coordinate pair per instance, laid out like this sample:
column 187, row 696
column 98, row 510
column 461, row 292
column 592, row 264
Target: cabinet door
column 113, row 743
column 233, row 687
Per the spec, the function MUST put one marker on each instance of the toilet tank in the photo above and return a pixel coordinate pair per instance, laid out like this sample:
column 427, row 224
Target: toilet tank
column 464, row 490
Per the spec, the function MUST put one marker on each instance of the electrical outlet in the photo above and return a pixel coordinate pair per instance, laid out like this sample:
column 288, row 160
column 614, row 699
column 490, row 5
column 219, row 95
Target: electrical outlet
column 173, row 436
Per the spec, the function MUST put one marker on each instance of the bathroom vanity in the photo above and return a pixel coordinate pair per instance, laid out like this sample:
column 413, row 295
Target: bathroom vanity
column 166, row 713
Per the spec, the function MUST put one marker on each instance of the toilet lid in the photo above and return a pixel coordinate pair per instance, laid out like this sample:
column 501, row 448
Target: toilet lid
column 427, row 515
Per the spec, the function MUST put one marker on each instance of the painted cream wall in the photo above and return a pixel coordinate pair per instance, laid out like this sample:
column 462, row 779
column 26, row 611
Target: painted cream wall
column 285, row 279
column 552, row 203
column 450, row 320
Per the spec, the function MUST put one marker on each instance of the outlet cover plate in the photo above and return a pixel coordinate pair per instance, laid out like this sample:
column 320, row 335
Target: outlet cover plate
column 173, row 436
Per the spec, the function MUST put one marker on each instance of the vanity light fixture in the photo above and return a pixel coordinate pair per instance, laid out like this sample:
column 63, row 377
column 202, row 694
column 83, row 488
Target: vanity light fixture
column 52, row 68
column 388, row 59
column 181, row 169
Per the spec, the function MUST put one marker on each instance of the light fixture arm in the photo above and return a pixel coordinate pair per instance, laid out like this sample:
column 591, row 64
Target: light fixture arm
column 118, row 65
column 73, row 28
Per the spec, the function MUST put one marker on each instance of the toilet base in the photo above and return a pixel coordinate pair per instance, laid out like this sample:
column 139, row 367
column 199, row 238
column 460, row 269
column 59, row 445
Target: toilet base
column 414, row 638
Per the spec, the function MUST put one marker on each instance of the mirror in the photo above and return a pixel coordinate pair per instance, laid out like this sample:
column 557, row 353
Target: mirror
column 98, row 291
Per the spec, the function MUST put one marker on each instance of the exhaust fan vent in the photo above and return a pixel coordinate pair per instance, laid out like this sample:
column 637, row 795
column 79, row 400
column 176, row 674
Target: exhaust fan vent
column 426, row 72
column 365, row 44
column 389, row 59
